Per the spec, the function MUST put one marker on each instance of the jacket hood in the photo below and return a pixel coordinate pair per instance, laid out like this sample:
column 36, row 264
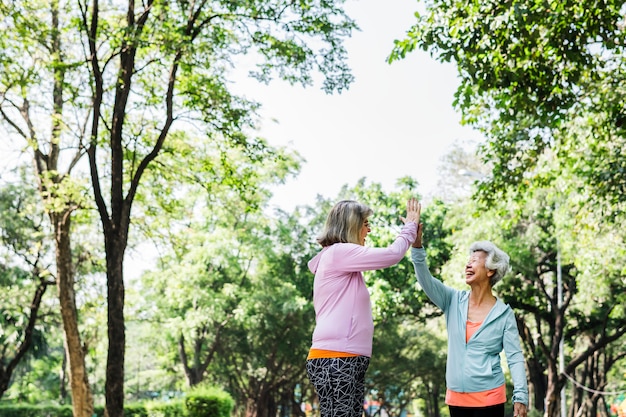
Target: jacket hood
column 315, row 261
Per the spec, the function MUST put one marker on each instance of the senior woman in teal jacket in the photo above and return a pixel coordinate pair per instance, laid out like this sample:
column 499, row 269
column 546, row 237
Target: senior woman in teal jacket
column 480, row 326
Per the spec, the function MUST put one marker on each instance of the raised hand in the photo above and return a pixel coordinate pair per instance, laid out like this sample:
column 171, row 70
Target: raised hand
column 413, row 210
column 418, row 239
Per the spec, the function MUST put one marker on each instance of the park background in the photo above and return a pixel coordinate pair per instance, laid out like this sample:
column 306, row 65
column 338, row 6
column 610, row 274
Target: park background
column 210, row 286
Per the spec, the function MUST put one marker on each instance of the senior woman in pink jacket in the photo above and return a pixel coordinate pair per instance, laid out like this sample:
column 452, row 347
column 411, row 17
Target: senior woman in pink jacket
column 342, row 339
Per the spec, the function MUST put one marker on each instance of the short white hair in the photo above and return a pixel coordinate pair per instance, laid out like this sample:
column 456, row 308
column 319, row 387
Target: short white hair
column 497, row 260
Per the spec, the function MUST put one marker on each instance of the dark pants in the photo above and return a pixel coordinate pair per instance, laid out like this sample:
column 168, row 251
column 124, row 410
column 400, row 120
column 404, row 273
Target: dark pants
column 491, row 411
column 340, row 384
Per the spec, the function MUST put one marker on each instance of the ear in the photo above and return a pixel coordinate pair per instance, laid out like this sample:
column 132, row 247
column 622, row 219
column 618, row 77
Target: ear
column 491, row 272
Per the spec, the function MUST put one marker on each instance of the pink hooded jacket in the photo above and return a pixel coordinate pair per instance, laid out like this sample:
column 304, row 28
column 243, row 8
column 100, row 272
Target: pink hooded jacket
column 343, row 311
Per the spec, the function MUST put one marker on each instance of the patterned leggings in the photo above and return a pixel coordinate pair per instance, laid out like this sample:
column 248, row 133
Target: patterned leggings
column 340, row 384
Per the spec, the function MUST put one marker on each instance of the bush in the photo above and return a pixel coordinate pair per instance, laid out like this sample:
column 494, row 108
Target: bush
column 35, row 411
column 166, row 409
column 135, row 410
column 131, row 410
column 199, row 402
column 208, row 402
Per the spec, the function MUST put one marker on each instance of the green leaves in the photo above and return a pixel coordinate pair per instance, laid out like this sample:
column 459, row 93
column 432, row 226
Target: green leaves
column 528, row 72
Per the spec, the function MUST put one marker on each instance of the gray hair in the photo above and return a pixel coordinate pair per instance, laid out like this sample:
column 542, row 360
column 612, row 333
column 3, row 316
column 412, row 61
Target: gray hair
column 344, row 223
column 497, row 260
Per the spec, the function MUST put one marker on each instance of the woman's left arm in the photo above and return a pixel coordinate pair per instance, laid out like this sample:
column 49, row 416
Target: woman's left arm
column 515, row 361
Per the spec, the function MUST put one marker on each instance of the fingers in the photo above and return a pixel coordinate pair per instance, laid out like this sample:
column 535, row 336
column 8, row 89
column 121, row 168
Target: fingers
column 413, row 204
column 413, row 210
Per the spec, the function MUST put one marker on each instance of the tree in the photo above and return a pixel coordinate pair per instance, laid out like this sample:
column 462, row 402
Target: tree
column 529, row 72
column 544, row 82
column 116, row 79
column 209, row 240
column 234, row 308
column 36, row 83
column 24, row 277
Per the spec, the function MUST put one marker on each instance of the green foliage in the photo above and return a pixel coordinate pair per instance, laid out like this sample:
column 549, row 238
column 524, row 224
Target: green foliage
column 35, row 411
column 230, row 297
column 408, row 363
column 23, row 225
column 145, row 409
column 135, row 410
column 126, row 83
column 208, row 402
column 534, row 55
column 27, row 320
column 535, row 77
column 175, row 408
column 192, row 46
column 37, row 379
column 547, row 233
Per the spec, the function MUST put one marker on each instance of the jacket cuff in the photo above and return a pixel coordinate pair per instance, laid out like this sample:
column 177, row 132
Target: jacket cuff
column 517, row 398
column 418, row 255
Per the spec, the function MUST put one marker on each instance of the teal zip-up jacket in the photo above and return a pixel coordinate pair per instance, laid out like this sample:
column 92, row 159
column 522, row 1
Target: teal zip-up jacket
column 475, row 366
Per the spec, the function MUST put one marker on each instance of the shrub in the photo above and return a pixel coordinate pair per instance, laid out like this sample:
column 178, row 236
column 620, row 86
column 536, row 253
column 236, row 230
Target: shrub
column 208, row 402
column 35, row 411
column 199, row 402
column 135, row 410
column 166, row 409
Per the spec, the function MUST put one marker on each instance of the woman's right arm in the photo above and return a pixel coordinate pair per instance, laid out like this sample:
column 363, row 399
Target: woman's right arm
column 437, row 291
column 353, row 257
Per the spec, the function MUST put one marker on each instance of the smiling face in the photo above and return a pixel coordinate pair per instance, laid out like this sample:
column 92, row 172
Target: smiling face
column 475, row 270
column 365, row 229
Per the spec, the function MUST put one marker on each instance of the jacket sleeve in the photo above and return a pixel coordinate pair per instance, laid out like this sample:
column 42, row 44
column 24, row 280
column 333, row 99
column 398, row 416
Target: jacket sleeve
column 515, row 359
column 437, row 291
column 353, row 257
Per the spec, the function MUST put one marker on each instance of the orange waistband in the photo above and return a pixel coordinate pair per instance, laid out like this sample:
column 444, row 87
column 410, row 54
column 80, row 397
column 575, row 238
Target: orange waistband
column 323, row 353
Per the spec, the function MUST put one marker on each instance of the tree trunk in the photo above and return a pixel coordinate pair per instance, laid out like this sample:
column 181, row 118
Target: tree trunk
column 202, row 356
column 251, row 408
column 435, row 411
column 114, row 386
column 535, row 369
column 553, row 397
column 264, row 405
column 537, row 384
column 62, row 379
column 82, row 399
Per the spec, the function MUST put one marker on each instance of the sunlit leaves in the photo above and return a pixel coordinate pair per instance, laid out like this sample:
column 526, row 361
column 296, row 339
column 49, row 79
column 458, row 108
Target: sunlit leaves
column 528, row 72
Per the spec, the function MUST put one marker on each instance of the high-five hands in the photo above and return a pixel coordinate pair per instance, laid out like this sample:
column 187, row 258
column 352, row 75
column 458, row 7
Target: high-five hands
column 418, row 239
column 413, row 210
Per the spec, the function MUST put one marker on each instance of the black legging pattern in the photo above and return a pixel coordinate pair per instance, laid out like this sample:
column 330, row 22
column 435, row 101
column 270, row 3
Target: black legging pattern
column 340, row 384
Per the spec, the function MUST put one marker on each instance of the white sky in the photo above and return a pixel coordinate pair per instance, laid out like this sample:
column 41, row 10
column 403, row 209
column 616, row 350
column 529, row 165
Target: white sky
column 395, row 120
